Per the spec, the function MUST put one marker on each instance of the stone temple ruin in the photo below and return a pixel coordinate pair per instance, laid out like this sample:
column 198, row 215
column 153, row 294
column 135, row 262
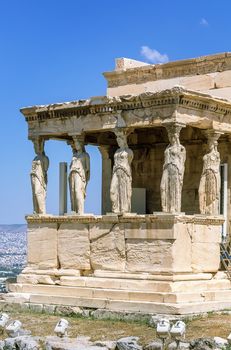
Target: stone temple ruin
column 164, row 133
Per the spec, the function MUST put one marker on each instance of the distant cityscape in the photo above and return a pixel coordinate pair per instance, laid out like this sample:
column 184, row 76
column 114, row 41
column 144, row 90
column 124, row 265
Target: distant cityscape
column 13, row 247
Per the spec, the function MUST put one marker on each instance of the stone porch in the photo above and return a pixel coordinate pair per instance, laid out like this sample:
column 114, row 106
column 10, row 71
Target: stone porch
column 150, row 262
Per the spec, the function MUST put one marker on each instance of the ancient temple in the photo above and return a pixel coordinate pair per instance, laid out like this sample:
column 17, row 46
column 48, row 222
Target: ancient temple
column 164, row 135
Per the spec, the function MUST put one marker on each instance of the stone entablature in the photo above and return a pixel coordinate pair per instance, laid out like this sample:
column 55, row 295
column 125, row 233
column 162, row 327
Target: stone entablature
column 144, row 110
column 189, row 67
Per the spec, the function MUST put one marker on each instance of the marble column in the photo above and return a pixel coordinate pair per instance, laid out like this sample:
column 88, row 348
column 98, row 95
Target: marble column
column 209, row 188
column 106, row 178
column 121, row 183
column 173, row 170
column 38, row 176
column 79, row 174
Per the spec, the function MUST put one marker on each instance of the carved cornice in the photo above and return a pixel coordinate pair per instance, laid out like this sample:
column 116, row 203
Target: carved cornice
column 40, row 219
column 175, row 97
column 126, row 218
column 196, row 66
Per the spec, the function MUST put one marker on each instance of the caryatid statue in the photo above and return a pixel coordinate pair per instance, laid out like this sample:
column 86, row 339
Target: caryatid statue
column 121, row 183
column 79, row 175
column 173, row 170
column 209, row 188
column 38, row 176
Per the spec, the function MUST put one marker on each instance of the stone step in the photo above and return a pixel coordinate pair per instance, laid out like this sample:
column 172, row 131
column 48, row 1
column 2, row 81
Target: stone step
column 125, row 295
column 119, row 284
column 121, row 305
column 147, row 285
column 137, row 284
column 97, row 293
column 99, row 282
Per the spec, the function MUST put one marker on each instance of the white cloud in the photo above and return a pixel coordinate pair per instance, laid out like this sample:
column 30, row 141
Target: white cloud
column 204, row 22
column 153, row 55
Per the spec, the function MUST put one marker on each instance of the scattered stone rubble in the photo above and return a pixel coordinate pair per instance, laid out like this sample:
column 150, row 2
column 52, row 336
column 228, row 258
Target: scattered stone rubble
column 28, row 342
column 128, row 343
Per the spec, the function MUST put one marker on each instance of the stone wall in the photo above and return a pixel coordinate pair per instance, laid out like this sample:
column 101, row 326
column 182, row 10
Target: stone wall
column 153, row 244
column 214, row 84
column 208, row 74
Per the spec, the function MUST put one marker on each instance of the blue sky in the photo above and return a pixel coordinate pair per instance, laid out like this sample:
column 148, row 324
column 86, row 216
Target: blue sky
column 55, row 50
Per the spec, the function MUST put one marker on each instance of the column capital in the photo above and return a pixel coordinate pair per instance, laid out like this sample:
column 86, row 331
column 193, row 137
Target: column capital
column 212, row 135
column 77, row 141
column 173, row 126
column 38, row 142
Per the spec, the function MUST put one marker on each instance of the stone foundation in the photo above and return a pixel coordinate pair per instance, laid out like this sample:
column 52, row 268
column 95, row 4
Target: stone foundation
column 130, row 243
column 160, row 263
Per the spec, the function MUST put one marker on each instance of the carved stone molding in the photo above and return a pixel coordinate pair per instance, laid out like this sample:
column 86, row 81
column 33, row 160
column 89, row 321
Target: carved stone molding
column 127, row 218
column 195, row 66
column 176, row 96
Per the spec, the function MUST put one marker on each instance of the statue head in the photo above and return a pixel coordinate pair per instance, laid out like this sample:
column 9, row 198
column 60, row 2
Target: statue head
column 121, row 138
column 38, row 145
column 78, row 143
column 174, row 138
column 212, row 145
column 173, row 129
column 212, row 136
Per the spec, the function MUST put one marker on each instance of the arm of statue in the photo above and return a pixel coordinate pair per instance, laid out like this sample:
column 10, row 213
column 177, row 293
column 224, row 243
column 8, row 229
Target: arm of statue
column 45, row 166
column 130, row 155
column 87, row 167
column 182, row 164
column 183, row 154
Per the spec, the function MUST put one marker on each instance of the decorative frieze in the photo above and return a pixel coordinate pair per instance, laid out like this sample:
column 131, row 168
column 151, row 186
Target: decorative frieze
column 176, row 96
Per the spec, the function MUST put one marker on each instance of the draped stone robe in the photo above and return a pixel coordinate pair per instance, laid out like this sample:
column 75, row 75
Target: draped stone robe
column 172, row 178
column 121, row 184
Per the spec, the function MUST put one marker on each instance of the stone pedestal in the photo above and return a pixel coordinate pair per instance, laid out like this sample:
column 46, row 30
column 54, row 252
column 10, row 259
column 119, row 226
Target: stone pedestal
column 159, row 263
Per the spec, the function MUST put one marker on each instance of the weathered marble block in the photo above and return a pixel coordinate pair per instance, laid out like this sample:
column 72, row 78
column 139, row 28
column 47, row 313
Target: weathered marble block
column 42, row 245
column 153, row 244
column 162, row 246
column 74, row 246
column 206, row 248
column 107, row 246
column 148, row 255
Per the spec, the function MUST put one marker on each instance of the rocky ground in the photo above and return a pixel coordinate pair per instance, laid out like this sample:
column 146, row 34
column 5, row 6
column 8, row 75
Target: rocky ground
column 93, row 334
column 27, row 342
